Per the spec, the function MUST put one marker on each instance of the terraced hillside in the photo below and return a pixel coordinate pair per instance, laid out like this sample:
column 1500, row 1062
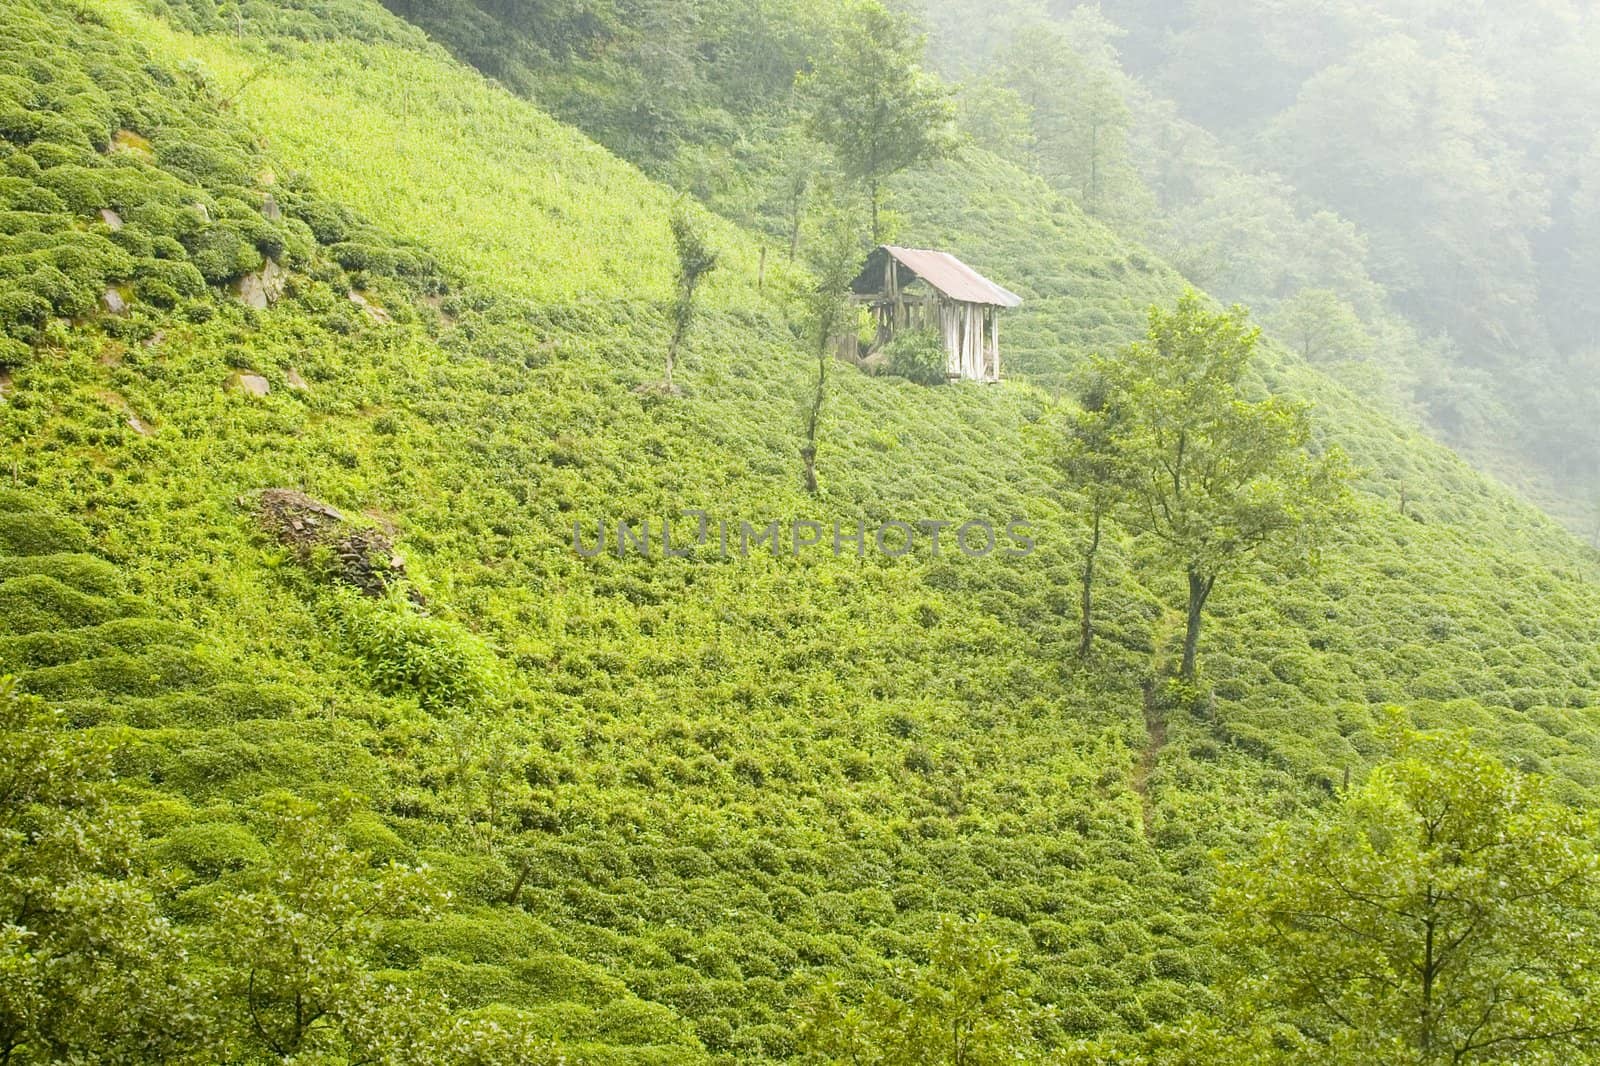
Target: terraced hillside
column 668, row 797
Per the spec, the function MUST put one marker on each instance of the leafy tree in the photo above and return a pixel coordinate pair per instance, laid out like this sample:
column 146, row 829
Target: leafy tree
column 1078, row 117
column 966, row 1006
column 293, row 933
column 1218, row 479
column 1442, row 912
column 796, row 171
column 695, row 261
column 867, row 99
column 1084, row 453
column 996, row 118
column 1320, row 325
column 90, row 971
column 826, row 309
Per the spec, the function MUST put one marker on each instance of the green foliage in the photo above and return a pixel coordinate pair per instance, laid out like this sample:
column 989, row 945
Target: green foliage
column 965, row 1005
column 867, row 100
column 1216, row 478
column 1077, row 118
column 1280, row 155
column 836, row 253
column 1321, row 326
column 33, row 533
column 1443, row 912
column 919, row 356
column 695, row 261
column 292, row 931
column 1084, row 448
column 406, row 651
column 697, row 789
column 91, row 968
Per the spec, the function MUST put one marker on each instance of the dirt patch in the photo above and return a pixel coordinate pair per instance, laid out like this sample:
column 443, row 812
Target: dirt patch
column 323, row 540
column 437, row 303
column 132, row 143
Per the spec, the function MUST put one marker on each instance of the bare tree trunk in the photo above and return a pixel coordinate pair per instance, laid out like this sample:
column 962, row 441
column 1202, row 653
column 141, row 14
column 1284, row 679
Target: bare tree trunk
column 1086, row 623
column 808, row 451
column 796, row 210
column 516, row 889
column 1199, row 589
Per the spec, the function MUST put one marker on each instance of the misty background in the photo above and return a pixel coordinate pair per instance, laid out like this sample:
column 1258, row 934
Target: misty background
column 1407, row 193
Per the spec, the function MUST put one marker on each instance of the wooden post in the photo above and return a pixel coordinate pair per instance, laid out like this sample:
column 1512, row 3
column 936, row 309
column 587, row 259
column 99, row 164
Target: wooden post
column 761, row 270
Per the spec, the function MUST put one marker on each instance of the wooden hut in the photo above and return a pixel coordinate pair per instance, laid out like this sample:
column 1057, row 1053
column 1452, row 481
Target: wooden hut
column 918, row 288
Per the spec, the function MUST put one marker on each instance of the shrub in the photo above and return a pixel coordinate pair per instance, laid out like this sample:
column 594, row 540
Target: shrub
column 159, row 670
column 85, row 573
column 47, row 648
column 211, row 849
column 13, row 353
column 221, row 254
column 77, row 186
column 22, row 313
column 52, row 286
column 441, row 663
column 31, row 533
column 26, row 196
column 919, row 356
column 20, row 126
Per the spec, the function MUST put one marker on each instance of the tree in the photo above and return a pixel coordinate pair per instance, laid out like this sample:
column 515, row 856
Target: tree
column 1443, row 912
column 794, row 171
column 965, row 1006
column 996, row 118
column 827, row 310
column 1084, row 452
column 868, row 100
column 695, row 261
column 90, row 970
column 1216, row 478
column 1079, row 122
column 293, row 932
column 1320, row 325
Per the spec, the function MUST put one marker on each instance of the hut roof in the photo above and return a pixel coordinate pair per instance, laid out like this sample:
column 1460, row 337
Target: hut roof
column 949, row 275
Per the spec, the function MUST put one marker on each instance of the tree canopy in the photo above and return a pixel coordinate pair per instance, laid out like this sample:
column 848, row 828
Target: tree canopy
column 867, row 98
column 1444, row 911
column 1218, row 473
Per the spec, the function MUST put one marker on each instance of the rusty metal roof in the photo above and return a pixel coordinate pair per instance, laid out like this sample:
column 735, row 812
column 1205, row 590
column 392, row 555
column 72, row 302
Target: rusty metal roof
column 952, row 277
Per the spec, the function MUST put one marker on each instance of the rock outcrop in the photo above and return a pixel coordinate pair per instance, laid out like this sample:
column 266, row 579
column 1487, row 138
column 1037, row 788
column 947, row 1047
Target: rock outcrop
column 323, row 540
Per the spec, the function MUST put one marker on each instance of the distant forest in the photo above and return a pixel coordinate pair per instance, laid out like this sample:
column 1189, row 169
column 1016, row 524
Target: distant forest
column 1408, row 191
column 1408, row 195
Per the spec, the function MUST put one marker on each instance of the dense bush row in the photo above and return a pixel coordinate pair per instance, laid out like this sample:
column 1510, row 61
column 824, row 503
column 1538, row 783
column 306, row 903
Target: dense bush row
column 122, row 183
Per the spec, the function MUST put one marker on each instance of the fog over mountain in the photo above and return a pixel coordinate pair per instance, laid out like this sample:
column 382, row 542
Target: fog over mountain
column 1410, row 192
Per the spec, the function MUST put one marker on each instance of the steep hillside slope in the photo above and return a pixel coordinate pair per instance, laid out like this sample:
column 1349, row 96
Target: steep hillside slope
column 669, row 795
